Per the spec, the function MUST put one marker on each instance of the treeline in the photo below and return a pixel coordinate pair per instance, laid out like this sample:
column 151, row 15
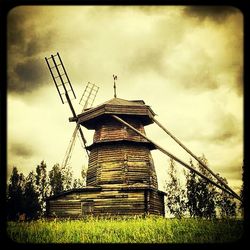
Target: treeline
column 194, row 196
column 26, row 195
column 189, row 196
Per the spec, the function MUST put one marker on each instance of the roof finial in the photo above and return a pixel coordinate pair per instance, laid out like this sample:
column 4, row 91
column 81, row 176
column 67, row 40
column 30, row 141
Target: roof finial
column 115, row 78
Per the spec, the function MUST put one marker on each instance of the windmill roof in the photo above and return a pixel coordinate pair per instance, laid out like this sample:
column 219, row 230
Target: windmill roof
column 116, row 106
column 119, row 101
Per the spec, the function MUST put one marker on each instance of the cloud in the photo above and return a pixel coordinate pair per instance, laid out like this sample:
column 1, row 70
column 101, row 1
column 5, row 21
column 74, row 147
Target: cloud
column 214, row 13
column 29, row 71
column 238, row 83
column 39, row 43
column 16, row 27
column 27, row 41
column 223, row 128
column 25, row 36
column 22, row 149
column 232, row 169
column 227, row 129
column 156, row 42
column 27, row 76
column 191, row 68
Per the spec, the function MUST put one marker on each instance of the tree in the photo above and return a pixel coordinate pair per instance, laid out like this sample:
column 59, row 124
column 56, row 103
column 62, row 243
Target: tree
column 201, row 194
column 67, row 177
column 42, row 184
column 241, row 206
column 206, row 193
column 78, row 183
column 225, row 202
column 55, row 180
column 84, row 174
column 32, row 207
column 15, row 195
column 243, row 192
column 191, row 186
column 175, row 199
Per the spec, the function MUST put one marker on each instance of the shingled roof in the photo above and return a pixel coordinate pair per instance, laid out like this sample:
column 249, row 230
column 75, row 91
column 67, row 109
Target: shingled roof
column 116, row 106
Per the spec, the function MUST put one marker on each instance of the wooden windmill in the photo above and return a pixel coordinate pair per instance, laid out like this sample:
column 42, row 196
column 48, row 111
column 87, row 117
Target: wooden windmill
column 121, row 177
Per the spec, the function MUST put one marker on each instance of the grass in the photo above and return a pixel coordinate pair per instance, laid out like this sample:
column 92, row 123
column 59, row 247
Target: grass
column 133, row 230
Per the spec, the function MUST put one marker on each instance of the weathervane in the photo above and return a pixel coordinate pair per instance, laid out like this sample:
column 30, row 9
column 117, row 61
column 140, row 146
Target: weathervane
column 115, row 78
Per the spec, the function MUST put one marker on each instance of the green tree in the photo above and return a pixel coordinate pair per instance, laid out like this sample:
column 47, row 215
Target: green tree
column 78, row 183
column 207, row 193
column 55, row 180
column 42, row 184
column 242, row 192
column 191, row 187
column 201, row 193
column 67, row 177
column 175, row 200
column 32, row 208
column 15, row 195
column 241, row 206
column 225, row 202
column 84, row 174
column 81, row 182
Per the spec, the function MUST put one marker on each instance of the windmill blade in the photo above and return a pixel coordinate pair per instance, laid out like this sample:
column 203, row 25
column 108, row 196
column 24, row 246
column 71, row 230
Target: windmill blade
column 63, row 84
column 68, row 154
column 88, row 97
column 61, row 79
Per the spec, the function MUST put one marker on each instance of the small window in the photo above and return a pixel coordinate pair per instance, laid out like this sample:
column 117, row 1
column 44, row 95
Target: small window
column 87, row 208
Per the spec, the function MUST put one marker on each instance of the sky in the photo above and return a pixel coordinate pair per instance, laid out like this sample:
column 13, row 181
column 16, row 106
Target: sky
column 185, row 62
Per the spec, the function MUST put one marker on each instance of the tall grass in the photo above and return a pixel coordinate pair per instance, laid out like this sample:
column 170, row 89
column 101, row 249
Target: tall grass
column 136, row 230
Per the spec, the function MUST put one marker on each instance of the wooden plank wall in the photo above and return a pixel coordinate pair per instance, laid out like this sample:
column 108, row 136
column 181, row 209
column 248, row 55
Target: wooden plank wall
column 112, row 130
column 121, row 164
column 156, row 203
column 107, row 202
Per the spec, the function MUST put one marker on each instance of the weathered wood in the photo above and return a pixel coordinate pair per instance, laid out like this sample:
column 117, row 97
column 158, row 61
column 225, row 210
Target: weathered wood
column 128, row 161
column 116, row 106
column 117, row 201
column 120, row 163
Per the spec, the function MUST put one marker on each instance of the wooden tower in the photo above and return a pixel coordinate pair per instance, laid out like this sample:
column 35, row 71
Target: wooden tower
column 118, row 156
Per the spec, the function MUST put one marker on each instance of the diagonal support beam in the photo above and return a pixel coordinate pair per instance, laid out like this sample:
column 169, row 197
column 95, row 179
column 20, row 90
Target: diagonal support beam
column 176, row 158
column 194, row 156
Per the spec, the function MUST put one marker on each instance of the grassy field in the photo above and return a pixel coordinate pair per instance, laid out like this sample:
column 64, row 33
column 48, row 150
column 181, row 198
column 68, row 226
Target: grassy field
column 136, row 230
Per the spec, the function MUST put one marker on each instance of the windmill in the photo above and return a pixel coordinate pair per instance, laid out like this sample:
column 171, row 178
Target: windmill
column 66, row 94
column 121, row 177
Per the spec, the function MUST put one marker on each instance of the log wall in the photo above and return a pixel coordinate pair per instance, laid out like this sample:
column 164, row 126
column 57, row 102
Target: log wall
column 112, row 130
column 121, row 163
column 106, row 202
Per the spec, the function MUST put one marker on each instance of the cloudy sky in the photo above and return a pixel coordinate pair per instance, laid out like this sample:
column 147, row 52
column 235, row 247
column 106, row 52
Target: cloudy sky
column 185, row 62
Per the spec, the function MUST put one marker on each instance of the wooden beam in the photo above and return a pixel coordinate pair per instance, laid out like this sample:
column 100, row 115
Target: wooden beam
column 195, row 157
column 176, row 159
